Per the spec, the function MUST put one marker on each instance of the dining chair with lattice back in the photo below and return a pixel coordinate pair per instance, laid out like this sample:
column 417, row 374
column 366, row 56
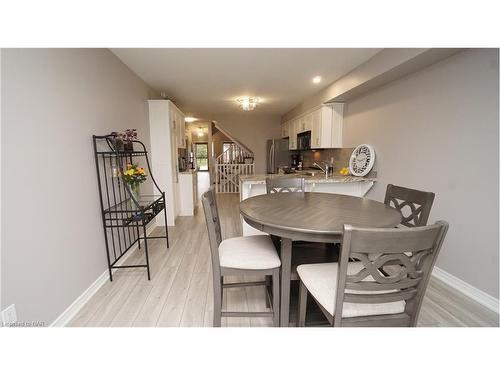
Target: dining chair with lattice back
column 356, row 293
column 239, row 256
column 418, row 203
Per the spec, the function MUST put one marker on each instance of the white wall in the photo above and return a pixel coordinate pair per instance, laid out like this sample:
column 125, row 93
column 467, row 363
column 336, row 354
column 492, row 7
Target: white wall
column 438, row 130
column 53, row 100
column 253, row 130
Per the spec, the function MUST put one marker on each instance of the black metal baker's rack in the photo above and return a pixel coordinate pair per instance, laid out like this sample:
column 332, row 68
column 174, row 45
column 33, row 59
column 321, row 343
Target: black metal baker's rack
column 124, row 214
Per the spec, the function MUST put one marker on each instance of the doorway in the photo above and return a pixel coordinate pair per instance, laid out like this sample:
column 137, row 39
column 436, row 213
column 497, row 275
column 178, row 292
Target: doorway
column 201, row 155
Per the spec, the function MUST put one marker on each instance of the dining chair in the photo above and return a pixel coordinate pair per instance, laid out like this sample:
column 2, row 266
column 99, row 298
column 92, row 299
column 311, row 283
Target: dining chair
column 250, row 255
column 356, row 293
column 303, row 252
column 419, row 204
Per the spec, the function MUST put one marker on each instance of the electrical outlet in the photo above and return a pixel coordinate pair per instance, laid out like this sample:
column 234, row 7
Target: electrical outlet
column 9, row 315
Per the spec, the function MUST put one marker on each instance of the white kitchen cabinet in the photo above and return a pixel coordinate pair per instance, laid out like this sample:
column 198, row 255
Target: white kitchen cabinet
column 180, row 127
column 182, row 131
column 304, row 123
column 325, row 124
column 301, row 121
column 316, row 129
column 284, row 130
column 308, row 122
column 164, row 123
column 188, row 193
column 175, row 117
column 326, row 127
column 292, row 134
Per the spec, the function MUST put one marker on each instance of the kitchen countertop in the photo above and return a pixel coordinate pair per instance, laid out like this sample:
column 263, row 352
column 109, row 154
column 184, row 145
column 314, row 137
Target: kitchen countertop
column 318, row 178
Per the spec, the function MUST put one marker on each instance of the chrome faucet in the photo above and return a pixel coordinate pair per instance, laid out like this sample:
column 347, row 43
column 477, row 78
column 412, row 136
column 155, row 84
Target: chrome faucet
column 324, row 170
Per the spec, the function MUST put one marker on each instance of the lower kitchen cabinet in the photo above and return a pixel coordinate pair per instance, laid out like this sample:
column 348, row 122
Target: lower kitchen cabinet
column 188, row 193
column 251, row 186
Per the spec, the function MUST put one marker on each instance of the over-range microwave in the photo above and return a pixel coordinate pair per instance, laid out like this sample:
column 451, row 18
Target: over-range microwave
column 304, row 140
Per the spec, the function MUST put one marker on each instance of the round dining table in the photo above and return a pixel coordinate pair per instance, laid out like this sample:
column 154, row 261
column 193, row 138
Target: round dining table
column 312, row 217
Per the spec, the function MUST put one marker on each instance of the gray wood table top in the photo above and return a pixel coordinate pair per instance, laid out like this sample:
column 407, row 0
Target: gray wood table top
column 315, row 213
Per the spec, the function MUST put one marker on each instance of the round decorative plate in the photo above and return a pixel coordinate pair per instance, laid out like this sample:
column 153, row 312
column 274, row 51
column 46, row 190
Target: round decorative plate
column 362, row 160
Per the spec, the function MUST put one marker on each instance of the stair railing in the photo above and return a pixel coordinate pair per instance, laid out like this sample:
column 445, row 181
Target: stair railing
column 229, row 166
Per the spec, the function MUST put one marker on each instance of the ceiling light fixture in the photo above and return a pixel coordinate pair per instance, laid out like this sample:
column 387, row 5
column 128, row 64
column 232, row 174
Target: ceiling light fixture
column 248, row 103
column 190, row 119
column 316, row 80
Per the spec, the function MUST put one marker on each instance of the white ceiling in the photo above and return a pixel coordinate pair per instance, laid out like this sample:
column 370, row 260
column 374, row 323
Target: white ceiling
column 207, row 81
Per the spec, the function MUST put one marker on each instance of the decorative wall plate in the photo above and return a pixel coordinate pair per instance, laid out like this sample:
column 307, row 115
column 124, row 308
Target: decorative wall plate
column 362, row 160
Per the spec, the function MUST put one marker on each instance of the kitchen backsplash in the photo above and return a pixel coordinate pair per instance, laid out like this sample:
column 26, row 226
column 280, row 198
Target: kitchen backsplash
column 340, row 156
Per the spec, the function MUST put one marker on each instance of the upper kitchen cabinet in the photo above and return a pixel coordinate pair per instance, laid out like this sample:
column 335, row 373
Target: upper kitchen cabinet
column 284, row 130
column 292, row 134
column 327, row 123
column 304, row 123
column 182, row 132
column 179, row 126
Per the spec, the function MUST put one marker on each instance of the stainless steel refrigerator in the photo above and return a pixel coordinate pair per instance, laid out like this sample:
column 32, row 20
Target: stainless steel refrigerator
column 278, row 154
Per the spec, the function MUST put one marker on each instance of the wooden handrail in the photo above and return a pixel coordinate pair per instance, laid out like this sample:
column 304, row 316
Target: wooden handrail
column 235, row 140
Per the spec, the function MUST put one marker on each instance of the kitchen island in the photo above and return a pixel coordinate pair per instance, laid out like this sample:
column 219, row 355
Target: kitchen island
column 255, row 184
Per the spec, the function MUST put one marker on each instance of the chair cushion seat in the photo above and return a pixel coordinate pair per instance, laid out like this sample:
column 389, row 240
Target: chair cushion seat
column 249, row 252
column 321, row 281
column 309, row 253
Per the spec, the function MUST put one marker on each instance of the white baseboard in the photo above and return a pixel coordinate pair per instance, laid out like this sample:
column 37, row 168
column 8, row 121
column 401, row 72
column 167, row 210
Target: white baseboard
column 470, row 291
column 68, row 314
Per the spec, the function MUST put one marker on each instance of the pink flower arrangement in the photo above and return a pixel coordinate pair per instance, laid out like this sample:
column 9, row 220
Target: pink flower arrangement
column 129, row 135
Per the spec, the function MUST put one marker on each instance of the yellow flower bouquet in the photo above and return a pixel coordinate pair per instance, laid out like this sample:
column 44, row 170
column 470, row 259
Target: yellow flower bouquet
column 134, row 176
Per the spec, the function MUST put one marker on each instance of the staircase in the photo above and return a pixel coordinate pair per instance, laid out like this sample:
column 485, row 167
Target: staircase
column 236, row 160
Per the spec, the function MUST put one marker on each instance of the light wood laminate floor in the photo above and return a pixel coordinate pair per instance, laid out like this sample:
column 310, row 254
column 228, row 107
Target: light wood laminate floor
column 180, row 290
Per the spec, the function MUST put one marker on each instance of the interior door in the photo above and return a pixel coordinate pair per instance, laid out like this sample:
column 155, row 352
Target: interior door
column 201, row 156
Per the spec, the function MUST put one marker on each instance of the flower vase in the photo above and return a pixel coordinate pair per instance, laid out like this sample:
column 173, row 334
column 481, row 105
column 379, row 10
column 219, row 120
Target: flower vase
column 135, row 191
column 129, row 146
column 118, row 144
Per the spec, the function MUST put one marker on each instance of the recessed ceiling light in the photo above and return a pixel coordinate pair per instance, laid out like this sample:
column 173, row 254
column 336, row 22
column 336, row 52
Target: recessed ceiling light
column 317, row 80
column 190, row 119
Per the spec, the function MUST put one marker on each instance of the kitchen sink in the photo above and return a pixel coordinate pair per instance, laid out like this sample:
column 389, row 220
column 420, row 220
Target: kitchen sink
column 311, row 173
